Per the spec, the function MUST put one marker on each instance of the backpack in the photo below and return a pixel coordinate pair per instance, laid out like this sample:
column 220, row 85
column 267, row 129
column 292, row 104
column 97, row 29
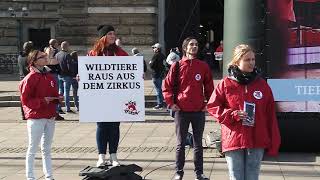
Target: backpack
column 73, row 67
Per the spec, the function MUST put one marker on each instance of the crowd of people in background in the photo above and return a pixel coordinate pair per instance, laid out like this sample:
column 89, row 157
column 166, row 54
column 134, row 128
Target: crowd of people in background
column 64, row 71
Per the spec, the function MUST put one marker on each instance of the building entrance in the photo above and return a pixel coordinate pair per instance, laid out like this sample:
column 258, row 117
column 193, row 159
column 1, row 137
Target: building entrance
column 200, row 18
column 211, row 34
column 39, row 37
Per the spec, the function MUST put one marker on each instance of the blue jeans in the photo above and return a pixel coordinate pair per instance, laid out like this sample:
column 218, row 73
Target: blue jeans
column 157, row 82
column 67, row 81
column 58, row 84
column 108, row 132
column 61, row 86
column 75, row 86
column 244, row 164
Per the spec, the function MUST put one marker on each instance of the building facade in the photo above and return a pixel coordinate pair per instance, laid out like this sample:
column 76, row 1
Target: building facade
column 136, row 23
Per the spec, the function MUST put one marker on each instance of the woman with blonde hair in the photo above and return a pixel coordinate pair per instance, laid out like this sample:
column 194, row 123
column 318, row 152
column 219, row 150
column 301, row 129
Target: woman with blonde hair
column 244, row 106
column 107, row 132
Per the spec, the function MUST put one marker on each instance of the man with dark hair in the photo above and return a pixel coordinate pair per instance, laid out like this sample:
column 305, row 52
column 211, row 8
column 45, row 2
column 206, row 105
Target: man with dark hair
column 195, row 85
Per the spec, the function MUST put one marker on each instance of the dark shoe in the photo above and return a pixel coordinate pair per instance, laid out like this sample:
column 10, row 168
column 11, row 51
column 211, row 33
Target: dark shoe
column 70, row 111
column 178, row 175
column 201, row 177
column 58, row 117
column 61, row 112
column 157, row 107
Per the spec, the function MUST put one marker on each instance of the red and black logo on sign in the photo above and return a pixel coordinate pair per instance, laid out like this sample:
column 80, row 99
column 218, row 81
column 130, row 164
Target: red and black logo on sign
column 131, row 108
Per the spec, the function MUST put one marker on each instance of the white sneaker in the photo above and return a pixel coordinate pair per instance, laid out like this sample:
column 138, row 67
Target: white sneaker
column 114, row 160
column 101, row 160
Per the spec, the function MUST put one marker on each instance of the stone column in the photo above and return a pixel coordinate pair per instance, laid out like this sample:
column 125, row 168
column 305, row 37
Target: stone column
column 244, row 23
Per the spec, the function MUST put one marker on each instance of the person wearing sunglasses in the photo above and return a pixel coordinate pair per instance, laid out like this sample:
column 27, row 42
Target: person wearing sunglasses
column 39, row 98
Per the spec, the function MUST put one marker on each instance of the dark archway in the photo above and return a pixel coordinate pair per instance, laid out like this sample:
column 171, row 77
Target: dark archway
column 183, row 19
column 211, row 21
column 39, row 37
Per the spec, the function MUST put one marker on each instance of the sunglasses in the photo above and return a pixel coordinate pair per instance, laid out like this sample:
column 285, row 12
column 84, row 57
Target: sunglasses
column 37, row 58
column 44, row 56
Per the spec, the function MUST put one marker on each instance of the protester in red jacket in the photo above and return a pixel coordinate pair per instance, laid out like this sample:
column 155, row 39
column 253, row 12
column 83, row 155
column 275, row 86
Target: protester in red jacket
column 244, row 106
column 195, row 85
column 107, row 132
column 39, row 98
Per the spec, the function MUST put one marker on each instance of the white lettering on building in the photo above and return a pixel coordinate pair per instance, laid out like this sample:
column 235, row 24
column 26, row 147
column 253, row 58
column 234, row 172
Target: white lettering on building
column 308, row 90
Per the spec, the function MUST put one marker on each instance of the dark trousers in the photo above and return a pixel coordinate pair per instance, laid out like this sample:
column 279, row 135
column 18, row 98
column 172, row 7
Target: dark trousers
column 182, row 121
column 108, row 132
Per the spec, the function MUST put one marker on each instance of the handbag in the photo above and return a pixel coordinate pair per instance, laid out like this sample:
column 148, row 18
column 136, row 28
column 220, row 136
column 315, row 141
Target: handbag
column 175, row 87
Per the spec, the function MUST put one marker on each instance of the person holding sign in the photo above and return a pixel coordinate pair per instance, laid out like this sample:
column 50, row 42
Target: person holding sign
column 194, row 86
column 107, row 132
column 39, row 98
column 244, row 106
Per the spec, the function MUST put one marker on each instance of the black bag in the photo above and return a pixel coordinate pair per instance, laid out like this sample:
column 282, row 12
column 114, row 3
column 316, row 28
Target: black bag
column 189, row 139
column 175, row 88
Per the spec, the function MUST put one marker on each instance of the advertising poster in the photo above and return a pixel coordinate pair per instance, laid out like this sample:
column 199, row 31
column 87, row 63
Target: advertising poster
column 295, row 54
column 111, row 88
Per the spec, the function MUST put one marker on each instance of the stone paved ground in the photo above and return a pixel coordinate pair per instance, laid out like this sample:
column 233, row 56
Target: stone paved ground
column 150, row 144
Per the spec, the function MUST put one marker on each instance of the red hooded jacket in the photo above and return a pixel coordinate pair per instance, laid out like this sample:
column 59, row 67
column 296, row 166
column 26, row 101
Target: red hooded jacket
column 119, row 52
column 33, row 88
column 195, row 85
column 230, row 96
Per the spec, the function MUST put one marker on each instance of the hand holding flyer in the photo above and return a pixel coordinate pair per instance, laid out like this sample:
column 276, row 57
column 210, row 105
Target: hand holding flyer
column 249, row 108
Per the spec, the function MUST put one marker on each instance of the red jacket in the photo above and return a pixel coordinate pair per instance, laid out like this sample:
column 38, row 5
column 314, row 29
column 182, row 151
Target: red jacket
column 195, row 85
column 33, row 88
column 229, row 96
column 119, row 52
column 219, row 49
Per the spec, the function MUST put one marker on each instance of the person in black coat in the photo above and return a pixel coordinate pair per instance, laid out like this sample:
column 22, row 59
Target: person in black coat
column 157, row 71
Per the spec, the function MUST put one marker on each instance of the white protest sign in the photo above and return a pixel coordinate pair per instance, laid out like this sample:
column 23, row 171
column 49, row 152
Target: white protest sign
column 111, row 88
